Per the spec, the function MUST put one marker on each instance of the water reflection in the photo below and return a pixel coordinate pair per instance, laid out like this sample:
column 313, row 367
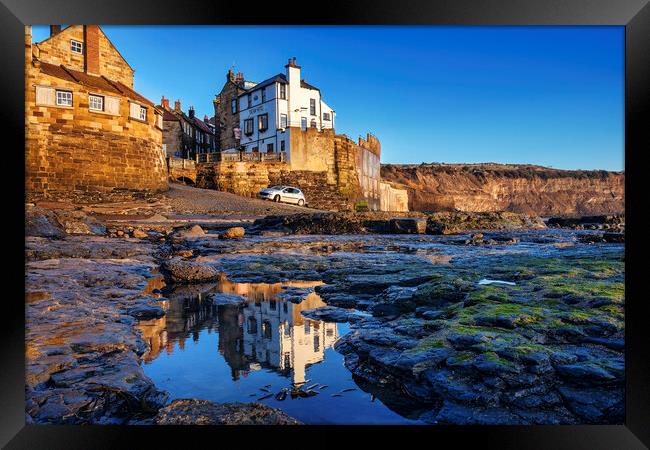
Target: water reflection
column 264, row 332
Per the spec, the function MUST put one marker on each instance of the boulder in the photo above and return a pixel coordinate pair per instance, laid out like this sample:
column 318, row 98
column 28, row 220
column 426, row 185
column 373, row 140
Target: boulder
column 146, row 312
column 203, row 412
column 192, row 232
column 408, row 225
column 184, row 271
column 233, row 233
column 138, row 233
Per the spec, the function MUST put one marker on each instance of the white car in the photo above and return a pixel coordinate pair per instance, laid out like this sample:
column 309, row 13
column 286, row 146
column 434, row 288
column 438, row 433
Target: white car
column 287, row 194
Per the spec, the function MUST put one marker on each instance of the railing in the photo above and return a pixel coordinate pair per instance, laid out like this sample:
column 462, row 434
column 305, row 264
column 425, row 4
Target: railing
column 241, row 156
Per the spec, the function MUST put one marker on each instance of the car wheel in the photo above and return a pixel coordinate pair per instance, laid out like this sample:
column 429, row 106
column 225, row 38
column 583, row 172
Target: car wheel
column 276, row 198
column 301, row 202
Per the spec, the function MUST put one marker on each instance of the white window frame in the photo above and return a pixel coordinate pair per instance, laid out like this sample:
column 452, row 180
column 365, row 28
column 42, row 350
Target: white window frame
column 76, row 44
column 248, row 126
column 142, row 115
column 283, row 121
column 327, row 117
column 101, row 100
column 283, row 91
column 63, row 91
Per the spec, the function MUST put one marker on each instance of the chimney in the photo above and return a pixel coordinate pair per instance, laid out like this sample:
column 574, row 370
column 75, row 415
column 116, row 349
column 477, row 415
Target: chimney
column 190, row 112
column 230, row 76
column 91, row 41
column 177, row 106
column 206, row 118
column 54, row 30
column 164, row 102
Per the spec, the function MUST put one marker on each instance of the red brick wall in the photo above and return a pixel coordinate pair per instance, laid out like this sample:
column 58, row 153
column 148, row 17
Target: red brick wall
column 91, row 37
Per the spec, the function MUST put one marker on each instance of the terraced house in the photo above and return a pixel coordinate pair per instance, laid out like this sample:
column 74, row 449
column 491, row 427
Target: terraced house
column 185, row 135
column 87, row 130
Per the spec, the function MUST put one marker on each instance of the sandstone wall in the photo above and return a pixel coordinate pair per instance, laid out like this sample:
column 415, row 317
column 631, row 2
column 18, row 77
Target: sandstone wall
column 74, row 149
column 56, row 50
column 516, row 188
column 247, row 178
column 393, row 199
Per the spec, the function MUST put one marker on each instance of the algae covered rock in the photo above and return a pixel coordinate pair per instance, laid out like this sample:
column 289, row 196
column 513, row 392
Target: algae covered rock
column 203, row 412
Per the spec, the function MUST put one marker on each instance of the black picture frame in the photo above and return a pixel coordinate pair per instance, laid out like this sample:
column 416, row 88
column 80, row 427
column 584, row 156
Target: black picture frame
column 633, row 14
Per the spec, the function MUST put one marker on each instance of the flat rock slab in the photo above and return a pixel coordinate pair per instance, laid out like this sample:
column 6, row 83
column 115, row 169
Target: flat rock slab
column 203, row 412
column 333, row 314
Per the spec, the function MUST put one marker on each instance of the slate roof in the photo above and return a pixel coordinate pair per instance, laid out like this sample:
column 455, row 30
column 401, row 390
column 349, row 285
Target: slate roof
column 92, row 81
column 304, row 84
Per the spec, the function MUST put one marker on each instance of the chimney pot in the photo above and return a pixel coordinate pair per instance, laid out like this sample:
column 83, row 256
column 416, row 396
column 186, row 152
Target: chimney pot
column 54, row 30
column 177, row 106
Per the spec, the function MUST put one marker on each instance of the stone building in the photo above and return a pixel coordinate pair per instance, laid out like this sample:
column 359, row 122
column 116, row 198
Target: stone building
column 226, row 110
column 185, row 135
column 87, row 131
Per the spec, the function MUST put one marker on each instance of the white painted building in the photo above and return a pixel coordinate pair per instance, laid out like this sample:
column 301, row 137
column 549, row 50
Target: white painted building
column 271, row 109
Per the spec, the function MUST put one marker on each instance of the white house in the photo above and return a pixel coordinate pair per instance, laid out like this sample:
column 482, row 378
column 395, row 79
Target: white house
column 271, row 110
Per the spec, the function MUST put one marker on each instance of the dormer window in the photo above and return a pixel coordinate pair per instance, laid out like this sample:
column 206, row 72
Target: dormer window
column 76, row 46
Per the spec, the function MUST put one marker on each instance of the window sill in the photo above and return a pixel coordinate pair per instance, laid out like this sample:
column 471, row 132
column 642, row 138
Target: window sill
column 138, row 120
column 104, row 113
column 55, row 106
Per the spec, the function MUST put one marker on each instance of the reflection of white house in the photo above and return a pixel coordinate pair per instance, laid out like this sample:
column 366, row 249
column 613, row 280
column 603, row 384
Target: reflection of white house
column 276, row 334
column 269, row 111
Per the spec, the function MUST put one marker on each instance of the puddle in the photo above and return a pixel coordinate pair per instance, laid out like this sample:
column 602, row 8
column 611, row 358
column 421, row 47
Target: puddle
column 242, row 353
column 485, row 281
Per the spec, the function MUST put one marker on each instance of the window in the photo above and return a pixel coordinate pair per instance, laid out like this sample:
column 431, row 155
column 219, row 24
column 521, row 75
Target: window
column 326, row 116
column 250, row 100
column 251, row 325
column 283, row 119
column 233, row 105
column 312, row 123
column 303, row 123
column 248, row 127
column 263, row 122
column 143, row 113
column 63, row 98
column 281, row 146
column 263, row 95
column 255, row 149
column 76, row 46
column 96, row 102
column 269, row 148
column 312, row 106
column 283, row 91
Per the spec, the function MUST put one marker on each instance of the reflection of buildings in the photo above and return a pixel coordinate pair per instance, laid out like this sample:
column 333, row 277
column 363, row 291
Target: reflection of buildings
column 263, row 332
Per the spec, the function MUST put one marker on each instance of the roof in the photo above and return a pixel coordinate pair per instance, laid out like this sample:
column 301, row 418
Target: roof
column 279, row 78
column 200, row 124
column 92, row 81
column 304, row 84
column 168, row 115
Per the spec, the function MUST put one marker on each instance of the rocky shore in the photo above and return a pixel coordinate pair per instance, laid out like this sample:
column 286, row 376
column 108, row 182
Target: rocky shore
column 467, row 318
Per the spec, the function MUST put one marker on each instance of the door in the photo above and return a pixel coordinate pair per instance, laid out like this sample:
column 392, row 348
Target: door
column 289, row 195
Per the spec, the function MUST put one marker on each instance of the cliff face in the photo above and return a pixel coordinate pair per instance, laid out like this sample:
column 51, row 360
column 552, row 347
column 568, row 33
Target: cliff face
column 516, row 188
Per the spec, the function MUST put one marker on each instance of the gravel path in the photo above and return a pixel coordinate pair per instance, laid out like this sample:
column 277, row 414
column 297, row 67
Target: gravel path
column 190, row 200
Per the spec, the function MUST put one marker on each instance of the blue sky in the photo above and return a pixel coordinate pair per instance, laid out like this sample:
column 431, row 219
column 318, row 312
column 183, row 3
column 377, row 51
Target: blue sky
column 552, row 96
